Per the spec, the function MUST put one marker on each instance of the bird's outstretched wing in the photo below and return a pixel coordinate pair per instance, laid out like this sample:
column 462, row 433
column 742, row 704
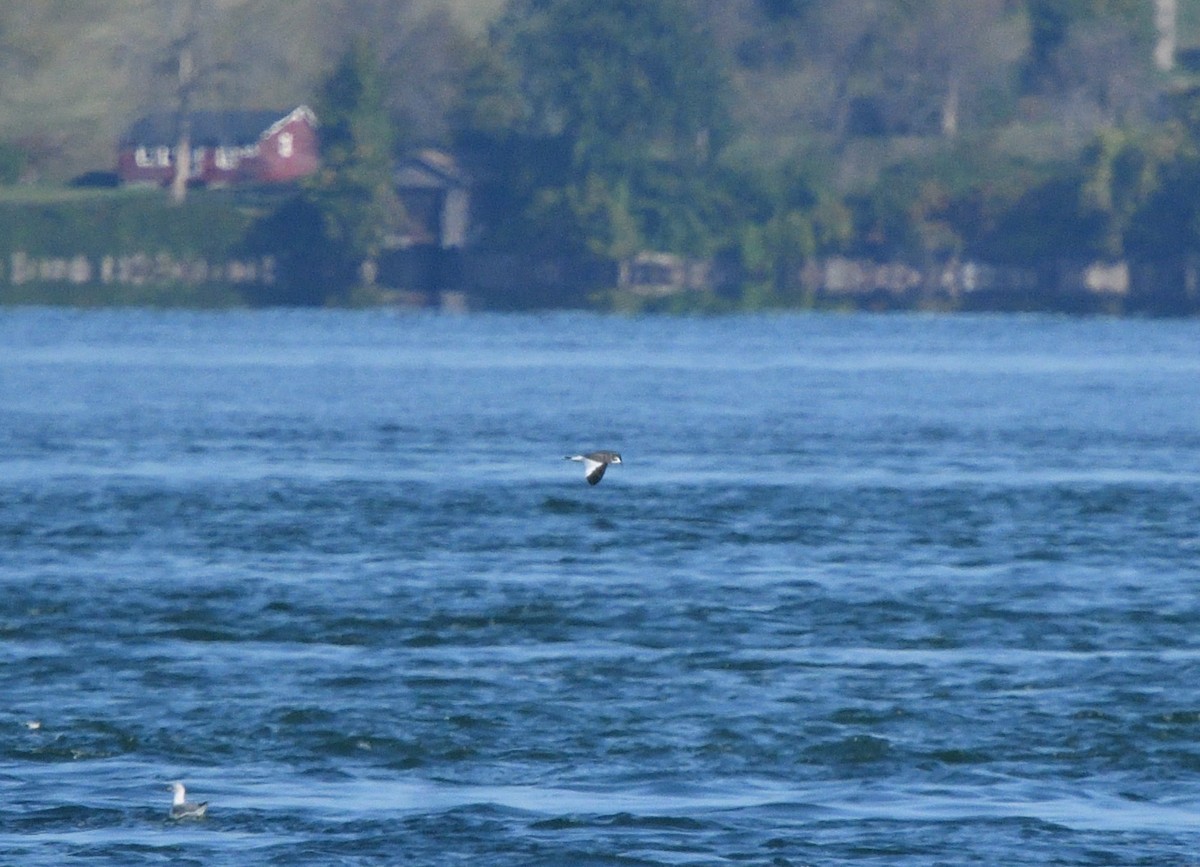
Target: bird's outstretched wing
column 594, row 470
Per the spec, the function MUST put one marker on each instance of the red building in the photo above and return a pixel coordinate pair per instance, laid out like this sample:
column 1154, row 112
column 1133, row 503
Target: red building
column 228, row 147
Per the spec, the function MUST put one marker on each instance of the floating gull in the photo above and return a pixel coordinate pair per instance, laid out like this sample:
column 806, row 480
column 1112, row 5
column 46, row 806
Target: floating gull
column 184, row 809
column 595, row 463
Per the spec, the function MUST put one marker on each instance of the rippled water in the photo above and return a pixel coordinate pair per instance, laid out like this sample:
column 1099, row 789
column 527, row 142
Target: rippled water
column 881, row 590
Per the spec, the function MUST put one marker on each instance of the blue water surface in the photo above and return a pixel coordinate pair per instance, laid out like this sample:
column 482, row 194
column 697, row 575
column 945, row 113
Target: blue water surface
column 893, row 590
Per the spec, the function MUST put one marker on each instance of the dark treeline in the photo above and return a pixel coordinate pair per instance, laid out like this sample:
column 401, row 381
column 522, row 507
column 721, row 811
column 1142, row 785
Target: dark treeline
column 761, row 134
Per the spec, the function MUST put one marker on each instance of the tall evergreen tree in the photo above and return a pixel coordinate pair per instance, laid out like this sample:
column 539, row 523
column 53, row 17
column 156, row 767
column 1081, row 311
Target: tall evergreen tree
column 632, row 92
column 355, row 190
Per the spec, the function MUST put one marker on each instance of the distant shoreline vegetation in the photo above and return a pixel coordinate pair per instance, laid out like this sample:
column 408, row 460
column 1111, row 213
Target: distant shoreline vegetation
column 643, row 155
column 665, row 156
column 118, row 248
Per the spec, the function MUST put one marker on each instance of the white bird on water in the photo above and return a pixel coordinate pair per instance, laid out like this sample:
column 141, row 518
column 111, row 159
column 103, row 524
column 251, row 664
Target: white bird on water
column 181, row 808
column 595, row 463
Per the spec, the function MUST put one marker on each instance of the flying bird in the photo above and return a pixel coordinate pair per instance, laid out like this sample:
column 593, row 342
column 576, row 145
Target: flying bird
column 595, row 463
column 181, row 808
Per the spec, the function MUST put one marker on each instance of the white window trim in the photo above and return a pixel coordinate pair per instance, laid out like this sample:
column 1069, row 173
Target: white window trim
column 227, row 159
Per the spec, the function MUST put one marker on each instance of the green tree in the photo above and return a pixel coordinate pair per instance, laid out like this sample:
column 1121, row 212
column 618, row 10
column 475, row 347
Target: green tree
column 619, row 79
column 782, row 221
column 632, row 91
column 354, row 189
column 1044, row 224
column 1078, row 41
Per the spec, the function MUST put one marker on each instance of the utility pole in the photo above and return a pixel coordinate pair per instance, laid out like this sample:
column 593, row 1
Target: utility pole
column 1166, row 19
column 183, row 140
column 950, row 106
column 185, row 86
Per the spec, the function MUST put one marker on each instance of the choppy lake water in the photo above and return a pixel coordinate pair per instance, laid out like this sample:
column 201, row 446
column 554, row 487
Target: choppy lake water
column 874, row 590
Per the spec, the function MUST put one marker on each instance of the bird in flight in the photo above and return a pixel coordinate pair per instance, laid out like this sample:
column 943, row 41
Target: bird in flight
column 595, row 463
column 181, row 808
